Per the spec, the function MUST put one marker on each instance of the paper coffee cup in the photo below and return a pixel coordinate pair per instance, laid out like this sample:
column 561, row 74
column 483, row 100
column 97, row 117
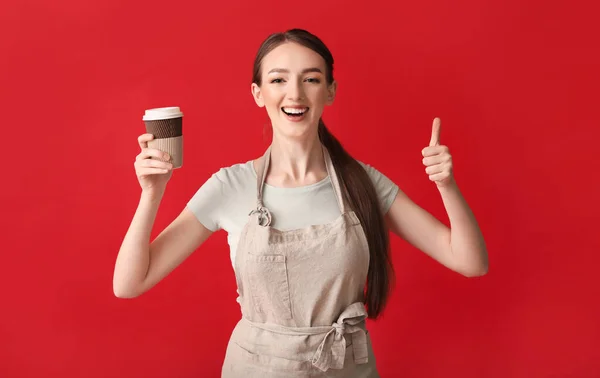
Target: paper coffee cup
column 166, row 124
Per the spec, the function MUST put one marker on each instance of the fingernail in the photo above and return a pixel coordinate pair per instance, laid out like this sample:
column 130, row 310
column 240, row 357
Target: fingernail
column 166, row 156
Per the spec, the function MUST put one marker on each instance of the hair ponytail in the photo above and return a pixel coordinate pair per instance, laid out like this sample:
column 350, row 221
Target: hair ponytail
column 359, row 193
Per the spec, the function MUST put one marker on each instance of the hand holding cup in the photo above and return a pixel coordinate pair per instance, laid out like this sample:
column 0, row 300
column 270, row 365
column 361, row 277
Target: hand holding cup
column 161, row 148
column 166, row 124
column 152, row 166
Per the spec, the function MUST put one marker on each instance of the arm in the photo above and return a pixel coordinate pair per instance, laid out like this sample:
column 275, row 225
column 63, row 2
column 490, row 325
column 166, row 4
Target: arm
column 460, row 248
column 140, row 264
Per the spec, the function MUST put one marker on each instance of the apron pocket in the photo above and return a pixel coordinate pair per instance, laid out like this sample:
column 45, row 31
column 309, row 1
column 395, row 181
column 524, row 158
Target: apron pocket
column 274, row 363
column 269, row 288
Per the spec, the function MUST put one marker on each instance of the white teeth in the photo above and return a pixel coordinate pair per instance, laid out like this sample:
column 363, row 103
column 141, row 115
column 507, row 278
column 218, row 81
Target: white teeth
column 294, row 110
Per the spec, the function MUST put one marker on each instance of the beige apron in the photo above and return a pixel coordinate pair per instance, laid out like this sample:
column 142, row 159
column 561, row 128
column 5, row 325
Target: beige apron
column 301, row 295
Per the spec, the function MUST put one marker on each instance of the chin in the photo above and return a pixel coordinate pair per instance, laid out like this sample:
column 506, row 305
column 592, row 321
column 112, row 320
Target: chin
column 295, row 130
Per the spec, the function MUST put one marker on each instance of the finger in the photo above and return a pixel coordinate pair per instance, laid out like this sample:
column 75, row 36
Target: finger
column 435, row 132
column 432, row 151
column 433, row 160
column 432, row 170
column 152, row 163
column 152, row 171
column 148, row 153
column 143, row 140
column 439, row 176
column 436, row 155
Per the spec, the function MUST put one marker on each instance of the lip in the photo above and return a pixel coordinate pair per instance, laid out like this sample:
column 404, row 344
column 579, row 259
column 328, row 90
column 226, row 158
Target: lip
column 295, row 106
column 295, row 118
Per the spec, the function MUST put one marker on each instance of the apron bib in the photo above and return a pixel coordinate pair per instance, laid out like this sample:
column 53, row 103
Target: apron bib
column 301, row 294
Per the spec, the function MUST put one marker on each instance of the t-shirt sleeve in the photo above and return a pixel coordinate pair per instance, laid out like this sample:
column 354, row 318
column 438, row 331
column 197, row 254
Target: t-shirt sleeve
column 386, row 189
column 208, row 202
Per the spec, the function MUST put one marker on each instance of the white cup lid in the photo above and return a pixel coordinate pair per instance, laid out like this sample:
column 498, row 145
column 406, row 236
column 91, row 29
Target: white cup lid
column 162, row 113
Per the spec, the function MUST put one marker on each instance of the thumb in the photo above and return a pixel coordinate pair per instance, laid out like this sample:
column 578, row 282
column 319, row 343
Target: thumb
column 435, row 132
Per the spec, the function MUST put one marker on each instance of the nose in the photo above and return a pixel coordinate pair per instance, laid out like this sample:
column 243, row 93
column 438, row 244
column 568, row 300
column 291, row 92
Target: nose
column 295, row 91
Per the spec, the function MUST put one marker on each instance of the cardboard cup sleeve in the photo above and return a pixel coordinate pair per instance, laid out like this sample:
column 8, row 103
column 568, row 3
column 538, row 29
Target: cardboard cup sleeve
column 173, row 146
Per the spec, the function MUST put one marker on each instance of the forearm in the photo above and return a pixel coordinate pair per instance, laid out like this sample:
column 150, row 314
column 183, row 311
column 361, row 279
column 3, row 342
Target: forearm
column 466, row 240
column 134, row 255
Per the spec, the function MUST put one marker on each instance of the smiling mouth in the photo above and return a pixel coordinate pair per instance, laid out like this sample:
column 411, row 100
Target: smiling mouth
column 294, row 112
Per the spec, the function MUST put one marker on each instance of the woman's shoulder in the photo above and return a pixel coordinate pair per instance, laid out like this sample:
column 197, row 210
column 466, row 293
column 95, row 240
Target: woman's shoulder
column 373, row 172
column 236, row 176
column 385, row 187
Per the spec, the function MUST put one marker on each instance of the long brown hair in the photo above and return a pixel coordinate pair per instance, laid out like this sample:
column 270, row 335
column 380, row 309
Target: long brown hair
column 357, row 189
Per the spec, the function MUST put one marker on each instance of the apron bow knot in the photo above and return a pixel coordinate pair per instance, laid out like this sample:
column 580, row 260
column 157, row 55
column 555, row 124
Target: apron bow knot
column 331, row 352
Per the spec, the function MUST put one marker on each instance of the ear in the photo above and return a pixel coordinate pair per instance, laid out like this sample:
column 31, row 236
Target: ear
column 255, row 89
column 331, row 93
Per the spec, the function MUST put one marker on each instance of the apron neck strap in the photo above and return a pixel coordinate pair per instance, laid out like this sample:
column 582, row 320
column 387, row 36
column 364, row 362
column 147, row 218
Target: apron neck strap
column 260, row 182
column 334, row 180
column 261, row 177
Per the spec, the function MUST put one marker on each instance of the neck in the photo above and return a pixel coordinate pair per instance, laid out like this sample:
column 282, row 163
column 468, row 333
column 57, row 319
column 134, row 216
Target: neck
column 296, row 162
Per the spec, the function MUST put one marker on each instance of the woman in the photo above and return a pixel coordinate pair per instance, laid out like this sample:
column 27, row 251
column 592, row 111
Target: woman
column 307, row 227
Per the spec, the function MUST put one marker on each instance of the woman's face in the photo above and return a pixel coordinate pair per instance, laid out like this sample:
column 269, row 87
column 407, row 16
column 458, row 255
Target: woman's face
column 294, row 89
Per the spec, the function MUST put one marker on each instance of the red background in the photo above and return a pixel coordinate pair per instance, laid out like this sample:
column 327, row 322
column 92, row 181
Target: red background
column 514, row 83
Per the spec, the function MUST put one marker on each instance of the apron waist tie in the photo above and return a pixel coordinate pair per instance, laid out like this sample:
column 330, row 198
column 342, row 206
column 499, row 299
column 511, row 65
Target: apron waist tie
column 332, row 350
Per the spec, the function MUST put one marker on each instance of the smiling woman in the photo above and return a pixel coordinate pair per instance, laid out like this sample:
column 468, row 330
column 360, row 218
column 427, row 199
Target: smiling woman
column 290, row 81
column 307, row 228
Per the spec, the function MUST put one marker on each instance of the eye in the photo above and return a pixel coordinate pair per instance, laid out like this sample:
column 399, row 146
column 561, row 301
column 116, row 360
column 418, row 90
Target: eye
column 313, row 80
column 277, row 81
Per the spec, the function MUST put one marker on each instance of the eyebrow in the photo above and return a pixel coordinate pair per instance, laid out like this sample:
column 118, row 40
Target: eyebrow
column 306, row 70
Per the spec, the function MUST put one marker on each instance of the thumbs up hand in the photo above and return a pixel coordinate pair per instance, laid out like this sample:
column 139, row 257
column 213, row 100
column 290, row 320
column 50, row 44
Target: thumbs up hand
column 437, row 158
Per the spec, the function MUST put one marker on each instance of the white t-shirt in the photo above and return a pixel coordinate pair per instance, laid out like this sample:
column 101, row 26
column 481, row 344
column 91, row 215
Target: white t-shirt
column 226, row 199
